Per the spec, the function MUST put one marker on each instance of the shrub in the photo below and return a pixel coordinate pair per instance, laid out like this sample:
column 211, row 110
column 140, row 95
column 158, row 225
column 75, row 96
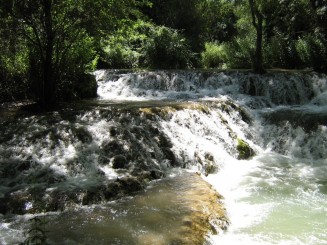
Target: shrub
column 167, row 48
column 13, row 72
column 312, row 49
column 120, row 55
column 281, row 52
column 73, row 82
column 239, row 52
column 147, row 45
column 213, row 56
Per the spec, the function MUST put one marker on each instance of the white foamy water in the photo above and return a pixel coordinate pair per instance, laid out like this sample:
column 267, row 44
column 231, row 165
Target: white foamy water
column 277, row 197
column 274, row 199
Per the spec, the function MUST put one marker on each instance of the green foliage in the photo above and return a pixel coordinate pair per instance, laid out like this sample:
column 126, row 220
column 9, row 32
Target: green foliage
column 13, row 61
column 281, row 52
column 213, row 56
column 312, row 49
column 117, row 55
column 123, row 49
column 147, row 45
column 61, row 40
column 48, row 46
column 167, row 48
column 239, row 52
column 184, row 16
column 218, row 20
column 36, row 235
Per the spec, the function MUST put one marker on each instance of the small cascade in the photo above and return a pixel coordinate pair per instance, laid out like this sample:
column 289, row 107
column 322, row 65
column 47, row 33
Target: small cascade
column 260, row 140
column 271, row 89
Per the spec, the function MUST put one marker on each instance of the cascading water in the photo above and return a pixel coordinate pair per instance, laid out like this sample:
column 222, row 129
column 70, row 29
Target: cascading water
column 146, row 123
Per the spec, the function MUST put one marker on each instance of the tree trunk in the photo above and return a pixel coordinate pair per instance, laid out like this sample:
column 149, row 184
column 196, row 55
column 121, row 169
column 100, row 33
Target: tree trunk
column 258, row 60
column 257, row 21
column 48, row 96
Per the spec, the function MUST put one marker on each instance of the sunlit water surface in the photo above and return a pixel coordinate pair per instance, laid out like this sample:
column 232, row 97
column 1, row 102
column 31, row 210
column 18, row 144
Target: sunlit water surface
column 274, row 199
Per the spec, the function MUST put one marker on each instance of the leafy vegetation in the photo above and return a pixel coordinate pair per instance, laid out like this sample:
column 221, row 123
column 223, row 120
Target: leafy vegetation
column 48, row 46
column 145, row 44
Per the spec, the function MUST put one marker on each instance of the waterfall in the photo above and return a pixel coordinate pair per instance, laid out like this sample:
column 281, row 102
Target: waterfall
column 260, row 140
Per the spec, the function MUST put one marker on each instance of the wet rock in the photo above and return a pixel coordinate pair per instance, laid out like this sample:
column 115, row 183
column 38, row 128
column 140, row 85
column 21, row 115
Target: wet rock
column 16, row 202
column 156, row 174
column 113, row 147
column 170, row 156
column 119, row 161
column 244, row 150
column 109, row 150
column 113, row 131
column 83, row 135
column 164, row 141
column 111, row 190
column 210, row 168
column 92, row 196
column 130, row 184
column 208, row 156
column 154, row 131
column 23, row 166
column 3, row 206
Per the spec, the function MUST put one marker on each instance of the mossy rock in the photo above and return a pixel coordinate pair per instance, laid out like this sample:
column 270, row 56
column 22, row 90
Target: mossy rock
column 244, row 150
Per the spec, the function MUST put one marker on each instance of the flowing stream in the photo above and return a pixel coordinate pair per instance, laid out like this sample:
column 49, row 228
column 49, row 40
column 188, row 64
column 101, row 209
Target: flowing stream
column 125, row 168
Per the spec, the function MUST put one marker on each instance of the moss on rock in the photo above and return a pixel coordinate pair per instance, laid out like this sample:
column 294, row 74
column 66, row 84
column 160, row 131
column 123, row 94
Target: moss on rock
column 244, row 150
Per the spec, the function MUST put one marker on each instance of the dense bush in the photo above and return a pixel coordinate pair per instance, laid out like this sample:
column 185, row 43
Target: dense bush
column 118, row 55
column 213, row 56
column 281, row 52
column 167, row 48
column 312, row 49
column 239, row 52
column 13, row 72
column 147, row 45
column 69, row 69
column 13, row 86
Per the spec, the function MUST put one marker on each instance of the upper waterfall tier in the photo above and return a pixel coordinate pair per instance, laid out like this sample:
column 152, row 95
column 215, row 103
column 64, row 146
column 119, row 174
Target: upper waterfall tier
column 270, row 89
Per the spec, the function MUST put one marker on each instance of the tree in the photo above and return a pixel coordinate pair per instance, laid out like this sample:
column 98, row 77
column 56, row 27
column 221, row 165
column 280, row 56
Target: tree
column 218, row 20
column 257, row 22
column 52, row 30
column 61, row 37
column 13, row 58
column 183, row 15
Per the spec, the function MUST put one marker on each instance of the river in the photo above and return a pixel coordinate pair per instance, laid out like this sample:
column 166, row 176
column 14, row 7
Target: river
column 170, row 127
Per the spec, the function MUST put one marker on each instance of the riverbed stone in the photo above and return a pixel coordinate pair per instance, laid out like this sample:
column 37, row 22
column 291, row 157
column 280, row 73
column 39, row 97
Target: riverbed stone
column 119, row 161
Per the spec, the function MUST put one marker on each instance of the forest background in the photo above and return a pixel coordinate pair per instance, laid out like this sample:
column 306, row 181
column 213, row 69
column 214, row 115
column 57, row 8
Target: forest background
column 49, row 47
